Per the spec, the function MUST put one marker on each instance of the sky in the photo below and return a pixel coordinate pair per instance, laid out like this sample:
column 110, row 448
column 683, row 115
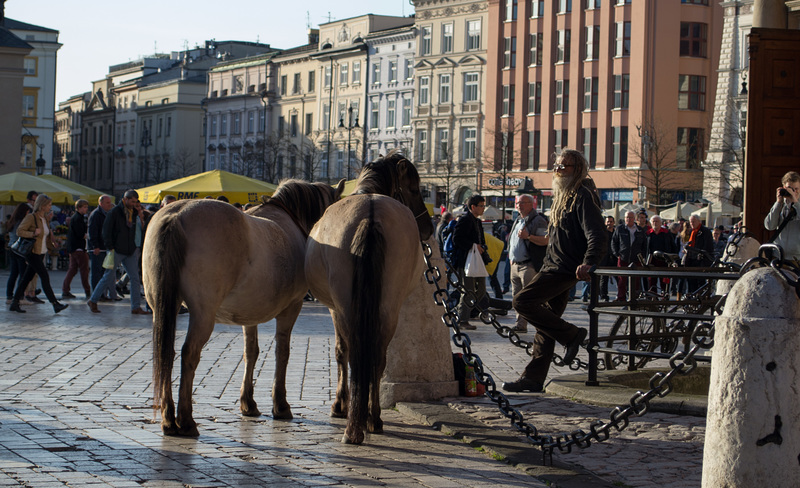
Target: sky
column 98, row 35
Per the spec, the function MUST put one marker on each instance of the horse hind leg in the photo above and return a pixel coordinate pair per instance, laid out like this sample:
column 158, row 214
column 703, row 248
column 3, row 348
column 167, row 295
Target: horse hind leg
column 339, row 407
column 374, row 421
column 197, row 336
column 284, row 323
column 247, row 405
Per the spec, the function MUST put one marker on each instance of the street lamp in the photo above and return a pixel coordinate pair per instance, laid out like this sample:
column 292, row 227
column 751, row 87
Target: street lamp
column 350, row 126
column 145, row 143
column 40, row 162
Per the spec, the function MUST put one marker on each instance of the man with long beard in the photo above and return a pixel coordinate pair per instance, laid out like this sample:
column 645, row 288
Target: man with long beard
column 578, row 241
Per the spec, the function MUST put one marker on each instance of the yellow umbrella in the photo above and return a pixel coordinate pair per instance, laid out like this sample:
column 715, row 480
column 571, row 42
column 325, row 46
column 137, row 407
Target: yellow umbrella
column 84, row 191
column 14, row 188
column 236, row 188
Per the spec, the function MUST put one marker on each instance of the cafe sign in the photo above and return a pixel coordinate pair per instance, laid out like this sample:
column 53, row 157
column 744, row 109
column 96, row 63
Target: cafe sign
column 509, row 182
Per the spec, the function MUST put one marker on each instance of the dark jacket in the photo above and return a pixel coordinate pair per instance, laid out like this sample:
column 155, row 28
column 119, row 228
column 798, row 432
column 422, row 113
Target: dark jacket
column 663, row 241
column 704, row 240
column 468, row 231
column 76, row 235
column 533, row 222
column 118, row 234
column 623, row 248
column 579, row 239
column 96, row 220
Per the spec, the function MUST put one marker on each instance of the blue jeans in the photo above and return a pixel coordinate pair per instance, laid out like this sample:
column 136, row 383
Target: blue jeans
column 109, row 279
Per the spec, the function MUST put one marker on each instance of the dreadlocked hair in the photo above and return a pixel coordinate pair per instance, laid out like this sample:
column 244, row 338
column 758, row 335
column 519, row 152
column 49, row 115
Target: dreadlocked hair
column 564, row 199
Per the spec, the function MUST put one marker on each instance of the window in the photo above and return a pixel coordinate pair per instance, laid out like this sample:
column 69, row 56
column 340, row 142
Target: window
column 392, row 71
column 326, row 116
column 262, row 120
column 563, row 47
column 564, row 6
column 473, row 35
column 29, row 105
column 296, row 84
column 693, row 39
column 562, row 96
column 375, row 114
column 223, row 125
column 622, row 84
column 619, row 145
column 591, row 4
column 689, row 152
column 308, row 124
column 327, row 77
column 311, row 81
column 535, row 98
column 590, row 94
column 590, row 146
column 447, row 38
column 537, row 8
column 354, row 104
column 281, row 125
column 444, row 88
column 425, row 45
column 696, row 2
column 212, row 161
column 510, row 52
column 470, row 141
column 470, row 87
column 343, row 73
column 390, row 112
column 323, row 165
column 406, row 118
column 443, row 144
column 511, row 10
column 561, row 137
column 251, row 122
column 213, row 126
column 422, row 145
column 29, row 65
column 691, row 92
column 533, row 149
column 339, row 163
column 424, row 90
column 283, row 84
column 536, row 49
column 623, row 44
column 237, row 123
column 342, row 111
column 376, row 72
column 592, row 42
column 508, row 100
column 293, row 126
column 356, row 72
column 409, row 69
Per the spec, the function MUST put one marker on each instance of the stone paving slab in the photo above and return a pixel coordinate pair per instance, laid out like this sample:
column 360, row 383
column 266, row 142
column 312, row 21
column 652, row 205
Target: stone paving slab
column 76, row 395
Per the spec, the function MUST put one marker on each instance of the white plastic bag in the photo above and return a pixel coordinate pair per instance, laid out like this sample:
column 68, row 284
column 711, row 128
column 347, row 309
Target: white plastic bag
column 108, row 262
column 475, row 267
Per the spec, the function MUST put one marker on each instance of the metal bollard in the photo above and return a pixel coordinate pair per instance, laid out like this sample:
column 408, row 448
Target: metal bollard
column 753, row 424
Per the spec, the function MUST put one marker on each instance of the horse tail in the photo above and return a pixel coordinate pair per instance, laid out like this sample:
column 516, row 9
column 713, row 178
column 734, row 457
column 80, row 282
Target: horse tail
column 368, row 250
column 169, row 242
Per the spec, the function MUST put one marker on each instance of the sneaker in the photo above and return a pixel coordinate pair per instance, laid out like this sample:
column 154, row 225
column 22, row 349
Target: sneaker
column 140, row 311
column 66, row 295
column 57, row 307
column 523, row 384
column 572, row 347
column 466, row 326
column 34, row 300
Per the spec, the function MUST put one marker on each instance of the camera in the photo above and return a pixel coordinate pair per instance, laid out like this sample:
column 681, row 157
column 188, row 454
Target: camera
column 784, row 193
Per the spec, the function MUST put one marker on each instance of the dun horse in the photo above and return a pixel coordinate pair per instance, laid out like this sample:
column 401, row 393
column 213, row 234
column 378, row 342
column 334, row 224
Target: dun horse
column 362, row 259
column 232, row 268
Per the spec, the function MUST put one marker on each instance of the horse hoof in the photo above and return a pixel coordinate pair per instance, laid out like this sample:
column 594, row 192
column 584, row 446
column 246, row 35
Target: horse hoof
column 376, row 428
column 338, row 413
column 356, row 438
column 251, row 412
column 188, row 431
column 283, row 414
column 169, row 430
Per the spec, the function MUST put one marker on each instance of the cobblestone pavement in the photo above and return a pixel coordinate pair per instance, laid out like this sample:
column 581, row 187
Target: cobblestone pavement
column 76, row 395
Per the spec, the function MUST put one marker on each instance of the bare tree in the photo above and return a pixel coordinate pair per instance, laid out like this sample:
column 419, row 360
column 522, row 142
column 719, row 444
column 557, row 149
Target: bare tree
column 183, row 164
column 724, row 168
column 500, row 156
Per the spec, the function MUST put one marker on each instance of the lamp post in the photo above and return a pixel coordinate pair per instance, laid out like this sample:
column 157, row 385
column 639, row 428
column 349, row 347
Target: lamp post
column 350, row 126
column 145, row 143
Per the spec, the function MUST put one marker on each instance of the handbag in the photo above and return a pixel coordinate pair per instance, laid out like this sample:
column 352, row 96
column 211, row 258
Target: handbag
column 23, row 247
column 475, row 267
column 108, row 262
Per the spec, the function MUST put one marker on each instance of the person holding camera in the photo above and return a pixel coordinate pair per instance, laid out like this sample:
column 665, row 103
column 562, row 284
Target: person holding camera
column 782, row 217
column 468, row 231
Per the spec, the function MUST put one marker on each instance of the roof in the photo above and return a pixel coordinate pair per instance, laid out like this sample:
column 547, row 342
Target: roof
column 17, row 25
column 8, row 39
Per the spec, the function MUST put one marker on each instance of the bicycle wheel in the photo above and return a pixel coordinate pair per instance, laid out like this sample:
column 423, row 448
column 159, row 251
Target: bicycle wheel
column 646, row 331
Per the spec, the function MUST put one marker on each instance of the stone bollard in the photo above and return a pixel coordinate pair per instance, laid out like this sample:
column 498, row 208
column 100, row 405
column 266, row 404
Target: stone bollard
column 419, row 362
column 753, row 424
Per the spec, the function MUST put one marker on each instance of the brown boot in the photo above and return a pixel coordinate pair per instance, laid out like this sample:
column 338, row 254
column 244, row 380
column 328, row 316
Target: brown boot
column 93, row 306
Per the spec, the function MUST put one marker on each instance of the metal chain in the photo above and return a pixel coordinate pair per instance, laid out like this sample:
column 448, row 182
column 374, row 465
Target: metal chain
column 786, row 269
column 660, row 384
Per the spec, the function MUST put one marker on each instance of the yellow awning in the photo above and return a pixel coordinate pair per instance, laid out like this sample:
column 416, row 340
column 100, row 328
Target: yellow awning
column 85, row 192
column 14, row 188
column 236, row 188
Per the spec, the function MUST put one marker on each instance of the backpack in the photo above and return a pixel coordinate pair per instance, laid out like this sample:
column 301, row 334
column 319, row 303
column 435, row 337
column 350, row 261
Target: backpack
column 447, row 236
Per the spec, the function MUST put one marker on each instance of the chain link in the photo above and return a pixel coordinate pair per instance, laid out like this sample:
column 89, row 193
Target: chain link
column 660, row 385
column 786, row 269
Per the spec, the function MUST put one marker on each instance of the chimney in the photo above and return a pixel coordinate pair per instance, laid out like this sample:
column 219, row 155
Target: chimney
column 313, row 36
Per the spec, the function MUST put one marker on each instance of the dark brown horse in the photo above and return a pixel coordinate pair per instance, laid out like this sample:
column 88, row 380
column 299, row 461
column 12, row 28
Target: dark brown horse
column 233, row 268
column 362, row 259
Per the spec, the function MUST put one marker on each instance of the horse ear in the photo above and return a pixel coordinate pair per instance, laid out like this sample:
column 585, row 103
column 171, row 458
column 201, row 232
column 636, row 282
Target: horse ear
column 339, row 189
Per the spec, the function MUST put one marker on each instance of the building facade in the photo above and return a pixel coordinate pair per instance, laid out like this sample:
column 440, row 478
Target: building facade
column 629, row 83
column 13, row 53
column 450, row 75
column 68, row 136
column 38, row 95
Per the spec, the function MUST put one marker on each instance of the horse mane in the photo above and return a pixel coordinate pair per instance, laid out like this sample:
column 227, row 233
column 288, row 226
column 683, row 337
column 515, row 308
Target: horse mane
column 380, row 176
column 305, row 202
